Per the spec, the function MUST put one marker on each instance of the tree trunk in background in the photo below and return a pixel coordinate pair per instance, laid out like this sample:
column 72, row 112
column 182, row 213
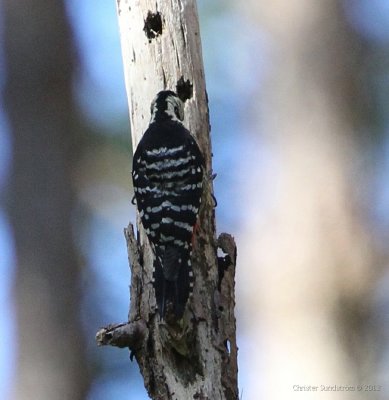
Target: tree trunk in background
column 309, row 294
column 39, row 57
column 198, row 359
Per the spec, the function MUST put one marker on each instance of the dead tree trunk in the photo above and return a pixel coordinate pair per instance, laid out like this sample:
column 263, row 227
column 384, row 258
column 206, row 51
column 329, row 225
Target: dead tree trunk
column 198, row 357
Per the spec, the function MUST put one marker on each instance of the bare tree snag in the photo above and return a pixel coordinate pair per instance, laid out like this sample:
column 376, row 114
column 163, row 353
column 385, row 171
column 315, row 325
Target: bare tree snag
column 197, row 357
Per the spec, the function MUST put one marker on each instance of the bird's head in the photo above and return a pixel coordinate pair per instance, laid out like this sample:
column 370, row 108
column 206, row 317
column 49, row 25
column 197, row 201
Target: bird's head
column 167, row 105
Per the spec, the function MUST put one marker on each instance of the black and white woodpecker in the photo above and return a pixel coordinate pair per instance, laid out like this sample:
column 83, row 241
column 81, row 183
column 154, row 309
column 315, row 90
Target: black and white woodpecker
column 168, row 170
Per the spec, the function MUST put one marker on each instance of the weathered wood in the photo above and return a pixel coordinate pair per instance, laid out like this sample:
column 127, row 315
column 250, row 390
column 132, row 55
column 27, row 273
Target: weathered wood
column 197, row 357
column 167, row 57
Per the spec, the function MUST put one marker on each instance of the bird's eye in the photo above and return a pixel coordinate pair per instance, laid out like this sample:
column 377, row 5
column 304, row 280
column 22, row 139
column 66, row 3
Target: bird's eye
column 176, row 111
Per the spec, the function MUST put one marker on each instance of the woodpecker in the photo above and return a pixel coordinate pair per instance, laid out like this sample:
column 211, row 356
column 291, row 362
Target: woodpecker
column 167, row 174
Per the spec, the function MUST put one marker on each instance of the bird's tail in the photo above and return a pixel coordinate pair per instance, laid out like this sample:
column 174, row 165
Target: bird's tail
column 173, row 279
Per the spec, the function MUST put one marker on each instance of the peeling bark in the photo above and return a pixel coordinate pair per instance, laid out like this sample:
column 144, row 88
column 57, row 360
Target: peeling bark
column 196, row 357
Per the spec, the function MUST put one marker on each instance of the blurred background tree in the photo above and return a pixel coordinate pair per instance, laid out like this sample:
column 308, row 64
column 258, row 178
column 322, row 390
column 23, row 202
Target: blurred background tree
column 40, row 61
column 318, row 261
column 301, row 147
